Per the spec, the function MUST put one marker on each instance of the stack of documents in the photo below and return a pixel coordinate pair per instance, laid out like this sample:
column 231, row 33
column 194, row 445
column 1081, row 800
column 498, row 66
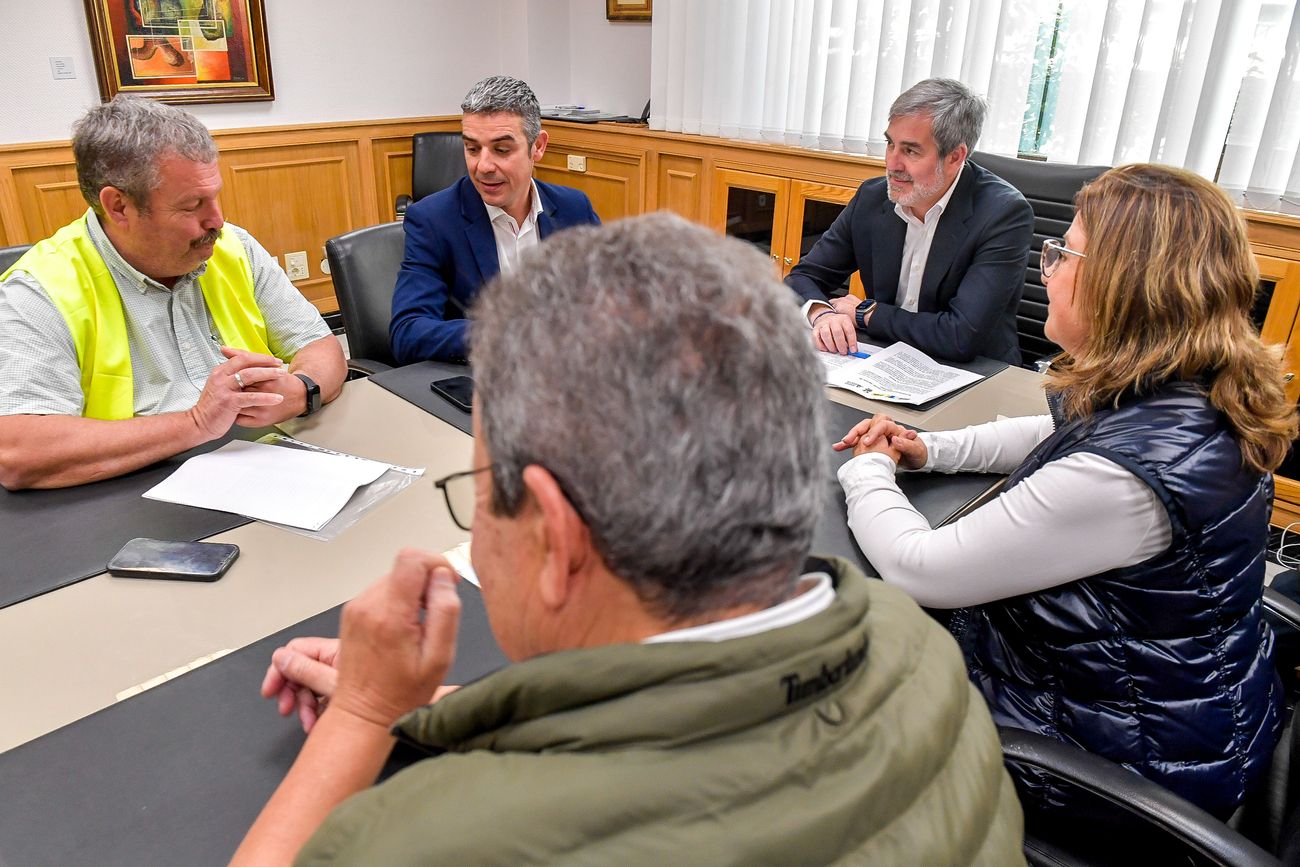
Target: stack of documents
column 898, row 373
column 270, row 483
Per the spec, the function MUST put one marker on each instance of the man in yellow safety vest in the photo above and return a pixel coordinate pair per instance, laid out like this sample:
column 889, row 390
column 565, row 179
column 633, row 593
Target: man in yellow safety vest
column 148, row 325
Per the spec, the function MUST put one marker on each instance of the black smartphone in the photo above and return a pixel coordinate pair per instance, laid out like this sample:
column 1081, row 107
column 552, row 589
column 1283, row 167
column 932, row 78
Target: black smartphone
column 457, row 389
column 175, row 561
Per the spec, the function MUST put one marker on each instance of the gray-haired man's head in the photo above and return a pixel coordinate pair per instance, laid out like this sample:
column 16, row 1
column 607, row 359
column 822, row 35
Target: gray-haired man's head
column 956, row 112
column 120, row 144
column 503, row 94
column 660, row 373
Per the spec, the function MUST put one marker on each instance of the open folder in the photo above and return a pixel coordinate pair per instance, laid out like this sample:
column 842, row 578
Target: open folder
column 897, row 373
column 270, row 483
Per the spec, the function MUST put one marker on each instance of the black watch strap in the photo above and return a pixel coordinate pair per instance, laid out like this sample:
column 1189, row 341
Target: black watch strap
column 862, row 312
column 313, row 393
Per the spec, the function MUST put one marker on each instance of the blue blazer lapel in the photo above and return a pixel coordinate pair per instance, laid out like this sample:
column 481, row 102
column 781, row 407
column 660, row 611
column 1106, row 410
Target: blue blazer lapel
column 948, row 237
column 546, row 219
column 887, row 234
column 478, row 231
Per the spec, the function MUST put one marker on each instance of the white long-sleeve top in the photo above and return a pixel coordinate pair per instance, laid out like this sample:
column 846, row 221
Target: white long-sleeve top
column 1076, row 516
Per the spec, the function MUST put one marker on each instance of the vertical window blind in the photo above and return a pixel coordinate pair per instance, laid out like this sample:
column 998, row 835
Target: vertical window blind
column 1212, row 85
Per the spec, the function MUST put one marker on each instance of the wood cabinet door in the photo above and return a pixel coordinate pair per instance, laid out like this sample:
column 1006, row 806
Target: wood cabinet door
column 813, row 207
column 752, row 207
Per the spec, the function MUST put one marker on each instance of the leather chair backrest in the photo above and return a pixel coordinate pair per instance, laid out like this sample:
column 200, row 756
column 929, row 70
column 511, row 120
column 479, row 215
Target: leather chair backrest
column 437, row 162
column 364, row 266
column 1115, row 815
column 10, row 255
column 1050, row 190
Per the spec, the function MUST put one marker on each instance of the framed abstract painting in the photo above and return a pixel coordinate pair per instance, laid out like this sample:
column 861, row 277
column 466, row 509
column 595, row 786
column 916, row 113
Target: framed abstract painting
column 181, row 50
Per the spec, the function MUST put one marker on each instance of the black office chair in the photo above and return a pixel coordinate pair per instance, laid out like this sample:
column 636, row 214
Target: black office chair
column 1188, row 834
column 1272, row 816
column 1050, row 189
column 437, row 162
column 364, row 265
column 10, row 255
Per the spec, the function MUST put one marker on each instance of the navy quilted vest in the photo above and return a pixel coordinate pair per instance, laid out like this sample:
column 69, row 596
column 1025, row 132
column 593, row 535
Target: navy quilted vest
column 1166, row 666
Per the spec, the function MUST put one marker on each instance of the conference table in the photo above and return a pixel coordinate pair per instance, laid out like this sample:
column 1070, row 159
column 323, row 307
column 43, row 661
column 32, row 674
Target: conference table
column 131, row 730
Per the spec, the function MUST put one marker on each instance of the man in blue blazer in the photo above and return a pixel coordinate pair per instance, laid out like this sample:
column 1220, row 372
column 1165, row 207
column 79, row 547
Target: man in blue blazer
column 940, row 243
column 461, row 237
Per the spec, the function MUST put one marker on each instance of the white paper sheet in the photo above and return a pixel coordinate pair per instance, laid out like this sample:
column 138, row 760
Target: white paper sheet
column 897, row 373
column 459, row 559
column 270, row 483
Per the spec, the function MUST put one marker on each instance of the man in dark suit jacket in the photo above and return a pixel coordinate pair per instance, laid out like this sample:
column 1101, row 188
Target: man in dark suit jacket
column 940, row 244
column 461, row 237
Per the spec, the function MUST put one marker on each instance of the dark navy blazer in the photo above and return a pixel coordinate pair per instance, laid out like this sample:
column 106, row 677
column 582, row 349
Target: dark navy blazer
column 450, row 254
column 973, row 278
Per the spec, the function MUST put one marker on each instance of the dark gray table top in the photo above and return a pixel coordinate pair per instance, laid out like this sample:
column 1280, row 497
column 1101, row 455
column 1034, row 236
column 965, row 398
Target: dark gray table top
column 50, row 539
column 177, row 774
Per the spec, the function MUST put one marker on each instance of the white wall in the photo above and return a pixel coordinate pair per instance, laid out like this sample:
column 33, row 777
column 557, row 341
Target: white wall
column 609, row 60
column 331, row 62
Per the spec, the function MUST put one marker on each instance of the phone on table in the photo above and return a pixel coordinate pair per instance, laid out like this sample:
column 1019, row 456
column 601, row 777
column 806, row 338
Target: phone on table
column 458, row 390
column 175, row 561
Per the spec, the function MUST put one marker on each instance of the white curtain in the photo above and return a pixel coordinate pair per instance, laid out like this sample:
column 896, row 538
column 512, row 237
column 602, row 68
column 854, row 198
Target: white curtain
column 1213, row 85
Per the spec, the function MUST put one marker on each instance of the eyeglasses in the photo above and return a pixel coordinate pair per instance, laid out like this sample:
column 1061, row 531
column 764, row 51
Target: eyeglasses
column 458, row 489
column 1053, row 250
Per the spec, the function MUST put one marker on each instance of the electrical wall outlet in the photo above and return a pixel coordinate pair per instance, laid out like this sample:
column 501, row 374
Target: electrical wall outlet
column 295, row 265
column 577, row 163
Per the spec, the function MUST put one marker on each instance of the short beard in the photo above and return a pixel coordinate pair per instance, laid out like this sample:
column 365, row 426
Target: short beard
column 920, row 192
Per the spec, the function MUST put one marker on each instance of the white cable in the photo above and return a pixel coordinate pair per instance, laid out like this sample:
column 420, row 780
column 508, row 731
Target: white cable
column 1290, row 561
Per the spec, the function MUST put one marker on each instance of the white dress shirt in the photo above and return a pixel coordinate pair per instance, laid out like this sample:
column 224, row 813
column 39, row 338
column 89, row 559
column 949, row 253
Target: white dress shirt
column 512, row 238
column 916, row 246
column 814, row 595
column 1076, row 516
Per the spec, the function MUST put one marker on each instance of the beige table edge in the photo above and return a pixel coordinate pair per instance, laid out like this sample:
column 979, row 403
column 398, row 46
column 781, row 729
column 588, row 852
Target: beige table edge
column 70, row 652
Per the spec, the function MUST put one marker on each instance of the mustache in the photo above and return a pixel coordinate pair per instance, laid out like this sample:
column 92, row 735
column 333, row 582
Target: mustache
column 209, row 238
column 899, row 176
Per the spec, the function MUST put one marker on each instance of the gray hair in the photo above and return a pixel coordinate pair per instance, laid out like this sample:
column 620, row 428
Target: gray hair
column 956, row 112
column 120, row 143
column 660, row 373
column 501, row 93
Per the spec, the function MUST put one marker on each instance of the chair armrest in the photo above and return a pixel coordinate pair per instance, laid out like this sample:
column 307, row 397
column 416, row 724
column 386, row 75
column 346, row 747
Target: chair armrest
column 1284, row 608
column 399, row 208
column 365, row 367
column 1149, row 801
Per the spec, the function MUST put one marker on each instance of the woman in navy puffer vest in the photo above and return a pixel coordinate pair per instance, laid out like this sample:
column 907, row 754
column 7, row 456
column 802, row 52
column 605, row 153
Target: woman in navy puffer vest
column 1110, row 595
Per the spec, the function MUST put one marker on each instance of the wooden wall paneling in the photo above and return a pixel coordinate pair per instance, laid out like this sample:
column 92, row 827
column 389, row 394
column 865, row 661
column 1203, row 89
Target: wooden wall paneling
column 299, row 196
column 630, row 170
column 392, row 170
column 390, row 153
column 611, row 181
column 49, row 198
column 679, row 186
column 1286, row 496
column 11, row 215
column 1273, row 234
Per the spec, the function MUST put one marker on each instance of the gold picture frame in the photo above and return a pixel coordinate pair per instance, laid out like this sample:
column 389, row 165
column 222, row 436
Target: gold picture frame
column 627, row 10
column 183, row 51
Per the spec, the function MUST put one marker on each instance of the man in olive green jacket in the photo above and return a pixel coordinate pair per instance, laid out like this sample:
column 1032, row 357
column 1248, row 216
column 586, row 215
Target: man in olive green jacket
column 648, row 466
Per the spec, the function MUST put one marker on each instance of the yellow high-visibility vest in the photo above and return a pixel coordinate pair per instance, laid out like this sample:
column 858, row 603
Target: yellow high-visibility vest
column 78, row 281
